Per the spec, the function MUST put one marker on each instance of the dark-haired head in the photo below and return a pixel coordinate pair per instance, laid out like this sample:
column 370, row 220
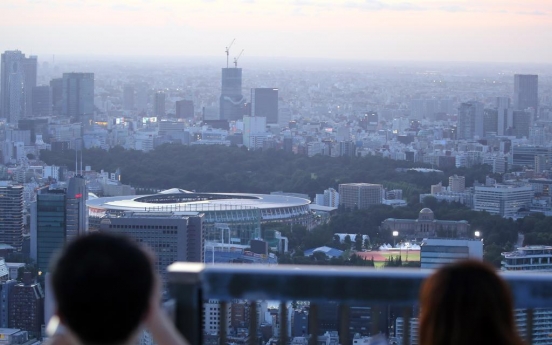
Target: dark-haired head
column 102, row 284
column 467, row 303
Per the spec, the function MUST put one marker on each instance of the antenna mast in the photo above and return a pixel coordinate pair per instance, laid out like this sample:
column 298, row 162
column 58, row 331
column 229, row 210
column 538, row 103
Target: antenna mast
column 228, row 51
column 237, row 58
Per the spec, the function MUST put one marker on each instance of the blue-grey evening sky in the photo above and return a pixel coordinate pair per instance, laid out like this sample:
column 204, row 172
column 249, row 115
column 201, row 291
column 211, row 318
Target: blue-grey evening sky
column 461, row 30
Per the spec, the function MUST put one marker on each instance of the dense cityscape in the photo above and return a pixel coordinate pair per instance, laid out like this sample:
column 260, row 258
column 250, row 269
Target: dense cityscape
column 389, row 167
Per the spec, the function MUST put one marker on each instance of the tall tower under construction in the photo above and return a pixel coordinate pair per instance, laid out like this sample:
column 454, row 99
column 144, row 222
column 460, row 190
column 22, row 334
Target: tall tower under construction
column 231, row 98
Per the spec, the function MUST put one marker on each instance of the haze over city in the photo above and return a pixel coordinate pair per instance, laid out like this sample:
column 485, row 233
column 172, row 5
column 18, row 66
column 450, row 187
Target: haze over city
column 463, row 30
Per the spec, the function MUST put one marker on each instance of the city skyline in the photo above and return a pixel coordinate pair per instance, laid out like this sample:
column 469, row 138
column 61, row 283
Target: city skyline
column 352, row 30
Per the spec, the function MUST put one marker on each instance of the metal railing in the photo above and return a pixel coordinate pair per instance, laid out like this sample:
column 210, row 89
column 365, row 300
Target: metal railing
column 192, row 283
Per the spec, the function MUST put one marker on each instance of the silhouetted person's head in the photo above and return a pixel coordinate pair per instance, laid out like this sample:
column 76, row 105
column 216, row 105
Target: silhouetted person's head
column 466, row 303
column 103, row 285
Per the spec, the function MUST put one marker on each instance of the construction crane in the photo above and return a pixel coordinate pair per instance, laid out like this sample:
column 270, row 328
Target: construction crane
column 228, row 51
column 237, row 58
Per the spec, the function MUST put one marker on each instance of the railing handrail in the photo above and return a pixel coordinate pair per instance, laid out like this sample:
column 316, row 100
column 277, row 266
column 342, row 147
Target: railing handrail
column 394, row 286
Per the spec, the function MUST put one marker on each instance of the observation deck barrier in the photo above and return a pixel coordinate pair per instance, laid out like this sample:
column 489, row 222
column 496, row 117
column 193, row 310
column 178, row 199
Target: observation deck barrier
column 192, row 283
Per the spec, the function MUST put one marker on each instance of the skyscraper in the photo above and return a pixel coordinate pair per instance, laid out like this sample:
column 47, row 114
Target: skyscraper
column 521, row 122
column 264, row 103
column 78, row 95
column 48, row 226
column 184, row 108
column 26, row 306
column 77, row 214
column 231, row 98
column 17, row 78
column 56, row 89
column 470, row 120
column 11, row 214
column 42, row 101
column 526, row 91
column 128, row 97
column 159, row 104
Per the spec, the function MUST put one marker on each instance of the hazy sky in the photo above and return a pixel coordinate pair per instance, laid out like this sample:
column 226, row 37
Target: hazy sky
column 462, row 30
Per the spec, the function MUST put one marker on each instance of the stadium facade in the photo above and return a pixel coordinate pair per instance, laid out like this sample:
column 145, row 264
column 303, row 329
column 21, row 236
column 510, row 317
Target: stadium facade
column 231, row 218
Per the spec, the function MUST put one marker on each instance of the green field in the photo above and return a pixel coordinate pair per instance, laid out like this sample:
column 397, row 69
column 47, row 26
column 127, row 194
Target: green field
column 411, row 255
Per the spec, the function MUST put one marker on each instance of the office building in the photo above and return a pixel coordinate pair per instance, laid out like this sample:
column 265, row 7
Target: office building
column 171, row 236
column 457, row 183
column 56, row 89
column 76, row 220
column 503, row 200
column 26, row 306
column 490, row 122
column 42, row 101
column 436, row 252
column 11, row 214
column 231, row 98
column 503, row 110
column 128, row 97
column 541, row 164
column 360, row 195
column 184, row 109
column 159, row 104
column 264, row 103
column 524, row 155
column 5, row 289
column 526, row 91
column 331, row 198
column 470, row 120
column 48, row 226
column 17, row 79
column 213, row 312
column 78, row 96
column 253, row 127
column 521, row 123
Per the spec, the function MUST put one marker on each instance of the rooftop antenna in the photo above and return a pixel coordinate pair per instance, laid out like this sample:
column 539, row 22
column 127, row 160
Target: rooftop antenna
column 237, row 58
column 228, row 51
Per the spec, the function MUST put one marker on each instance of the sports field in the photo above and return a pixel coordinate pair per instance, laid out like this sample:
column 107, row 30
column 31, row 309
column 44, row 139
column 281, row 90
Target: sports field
column 381, row 256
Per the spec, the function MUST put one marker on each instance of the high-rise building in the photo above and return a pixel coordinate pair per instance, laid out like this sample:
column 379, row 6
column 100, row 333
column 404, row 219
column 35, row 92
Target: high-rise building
column 42, row 101
column 470, row 120
column 11, row 214
column 490, row 122
column 76, row 213
column 521, row 122
column 78, row 95
column 526, row 91
column 56, row 89
column 502, row 109
column 17, row 79
column 503, row 200
column 331, row 198
column 58, row 216
column 171, row 236
column 30, row 71
column 184, row 109
column 128, row 97
column 48, row 226
column 360, row 195
column 159, row 104
column 26, row 306
column 457, row 183
column 264, row 103
column 253, row 127
column 231, row 98
column 5, row 289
